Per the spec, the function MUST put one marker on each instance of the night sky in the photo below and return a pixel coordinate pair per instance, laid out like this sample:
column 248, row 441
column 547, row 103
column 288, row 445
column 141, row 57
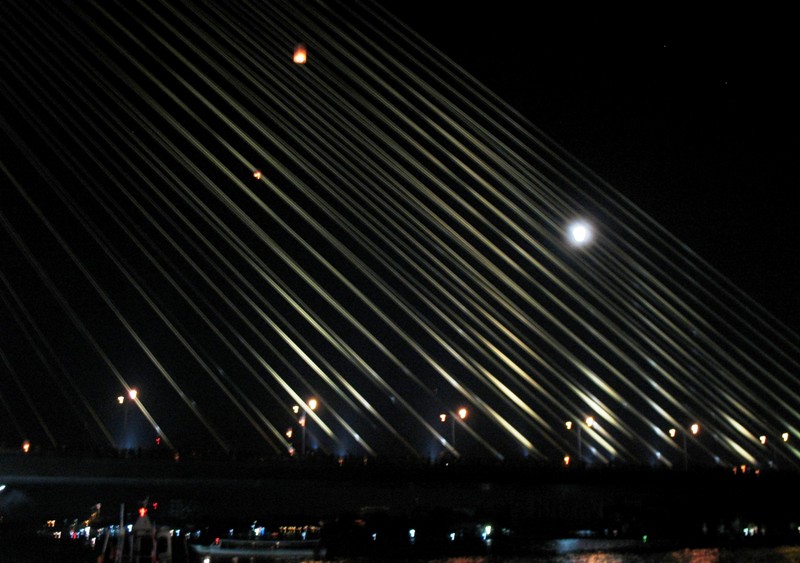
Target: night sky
column 403, row 252
column 687, row 113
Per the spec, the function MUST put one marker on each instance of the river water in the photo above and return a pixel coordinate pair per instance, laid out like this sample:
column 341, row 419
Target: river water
column 789, row 554
column 705, row 555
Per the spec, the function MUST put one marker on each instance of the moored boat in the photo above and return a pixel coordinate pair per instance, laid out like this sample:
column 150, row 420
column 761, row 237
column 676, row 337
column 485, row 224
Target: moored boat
column 262, row 550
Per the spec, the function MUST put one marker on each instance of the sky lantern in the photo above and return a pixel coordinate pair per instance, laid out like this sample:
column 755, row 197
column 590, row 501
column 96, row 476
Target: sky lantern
column 300, row 54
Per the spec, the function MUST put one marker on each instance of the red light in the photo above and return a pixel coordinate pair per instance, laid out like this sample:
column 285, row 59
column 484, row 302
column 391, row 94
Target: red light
column 142, row 512
column 216, row 541
column 158, row 440
column 300, row 54
column 155, row 506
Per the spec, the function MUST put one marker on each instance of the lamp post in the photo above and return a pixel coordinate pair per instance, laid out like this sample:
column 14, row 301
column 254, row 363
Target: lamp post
column 568, row 424
column 589, row 423
column 312, row 404
column 462, row 414
column 763, row 441
column 694, row 429
column 774, row 451
column 132, row 394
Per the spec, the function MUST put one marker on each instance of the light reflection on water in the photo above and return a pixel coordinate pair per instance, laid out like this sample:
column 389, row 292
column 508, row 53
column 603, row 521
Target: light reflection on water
column 708, row 555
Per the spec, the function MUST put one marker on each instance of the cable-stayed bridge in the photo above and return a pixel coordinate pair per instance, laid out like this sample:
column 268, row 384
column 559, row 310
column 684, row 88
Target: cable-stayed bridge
column 192, row 214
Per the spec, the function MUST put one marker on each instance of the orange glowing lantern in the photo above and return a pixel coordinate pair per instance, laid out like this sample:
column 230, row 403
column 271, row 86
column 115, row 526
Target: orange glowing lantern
column 300, row 54
column 257, row 174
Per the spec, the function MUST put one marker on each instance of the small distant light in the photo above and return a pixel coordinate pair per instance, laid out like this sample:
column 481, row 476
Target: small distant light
column 300, row 54
column 462, row 413
column 26, row 446
column 785, row 436
column 567, row 459
column 672, row 432
column 568, row 424
column 442, row 417
column 590, row 421
column 695, row 428
column 762, row 439
column 257, row 174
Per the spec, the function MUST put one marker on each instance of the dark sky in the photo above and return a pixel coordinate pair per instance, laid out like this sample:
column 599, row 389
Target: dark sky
column 220, row 296
column 687, row 114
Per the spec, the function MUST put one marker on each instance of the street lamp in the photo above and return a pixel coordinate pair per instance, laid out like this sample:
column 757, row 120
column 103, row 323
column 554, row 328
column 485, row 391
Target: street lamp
column 312, row 404
column 694, row 429
column 589, row 423
column 462, row 414
column 132, row 394
column 775, row 450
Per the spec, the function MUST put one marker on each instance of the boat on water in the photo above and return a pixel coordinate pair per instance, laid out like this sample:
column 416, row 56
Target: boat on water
column 261, row 550
column 146, row 543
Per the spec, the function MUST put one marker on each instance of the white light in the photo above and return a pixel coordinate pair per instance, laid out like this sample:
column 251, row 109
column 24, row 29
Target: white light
column 580, row 233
